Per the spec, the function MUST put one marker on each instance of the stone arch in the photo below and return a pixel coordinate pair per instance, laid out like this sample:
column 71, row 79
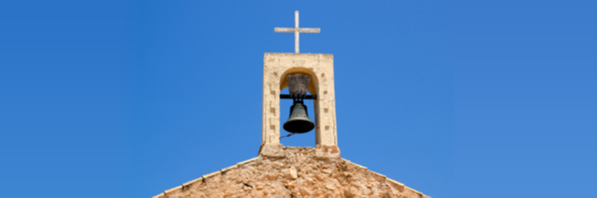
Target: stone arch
column 313, row 85
column 313, row 90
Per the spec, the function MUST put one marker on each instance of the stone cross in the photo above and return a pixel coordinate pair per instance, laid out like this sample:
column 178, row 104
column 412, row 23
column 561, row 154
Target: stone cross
column 297, row 30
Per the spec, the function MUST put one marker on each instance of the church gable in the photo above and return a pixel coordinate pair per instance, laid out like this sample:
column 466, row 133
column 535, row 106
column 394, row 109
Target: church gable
column 300, row 174
column 281, row 171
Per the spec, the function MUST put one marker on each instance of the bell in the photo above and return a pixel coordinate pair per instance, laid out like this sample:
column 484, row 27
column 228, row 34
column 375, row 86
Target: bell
column 299, row 120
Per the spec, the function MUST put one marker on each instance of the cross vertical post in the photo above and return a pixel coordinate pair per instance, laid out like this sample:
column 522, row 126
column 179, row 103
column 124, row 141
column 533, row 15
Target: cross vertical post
column 296, row 30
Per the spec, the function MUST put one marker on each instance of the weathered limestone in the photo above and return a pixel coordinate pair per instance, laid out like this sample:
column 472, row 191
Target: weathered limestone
column 327, row 152
column 300, row 174
column 272, row 150
column 321, row 69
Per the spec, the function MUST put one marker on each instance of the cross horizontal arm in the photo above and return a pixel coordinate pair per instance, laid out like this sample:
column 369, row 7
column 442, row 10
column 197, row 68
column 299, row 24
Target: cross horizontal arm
column 301, row 30
column 283, row 29
column 309, row 30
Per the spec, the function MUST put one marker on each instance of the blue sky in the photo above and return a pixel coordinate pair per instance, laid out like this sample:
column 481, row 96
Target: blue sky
column 452, row 98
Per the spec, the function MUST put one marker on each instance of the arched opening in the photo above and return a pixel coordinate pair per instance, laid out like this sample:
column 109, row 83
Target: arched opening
column 299, row 139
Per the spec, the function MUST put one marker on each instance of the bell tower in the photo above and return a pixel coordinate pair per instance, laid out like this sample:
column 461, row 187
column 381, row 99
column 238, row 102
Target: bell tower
column 320, row 68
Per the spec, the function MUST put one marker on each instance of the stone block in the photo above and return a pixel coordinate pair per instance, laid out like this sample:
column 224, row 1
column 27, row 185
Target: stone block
column 327, row 152
column 272, row 150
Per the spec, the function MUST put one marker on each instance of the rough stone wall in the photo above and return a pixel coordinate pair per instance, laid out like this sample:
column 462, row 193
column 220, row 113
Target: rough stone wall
column 300, row 174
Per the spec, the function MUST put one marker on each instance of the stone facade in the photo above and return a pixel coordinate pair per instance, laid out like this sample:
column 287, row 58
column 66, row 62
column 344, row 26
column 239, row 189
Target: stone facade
column 300, row 174
column 281, row 171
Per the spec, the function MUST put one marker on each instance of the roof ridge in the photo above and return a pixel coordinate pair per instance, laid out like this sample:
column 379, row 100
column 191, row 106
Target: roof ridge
column 203, row 177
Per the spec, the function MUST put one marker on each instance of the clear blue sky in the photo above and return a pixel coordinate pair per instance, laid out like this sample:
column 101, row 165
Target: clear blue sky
column 455, row 99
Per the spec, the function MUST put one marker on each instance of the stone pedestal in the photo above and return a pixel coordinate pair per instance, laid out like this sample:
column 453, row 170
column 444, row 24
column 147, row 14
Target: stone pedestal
column 272, row 150
column 327, row 152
